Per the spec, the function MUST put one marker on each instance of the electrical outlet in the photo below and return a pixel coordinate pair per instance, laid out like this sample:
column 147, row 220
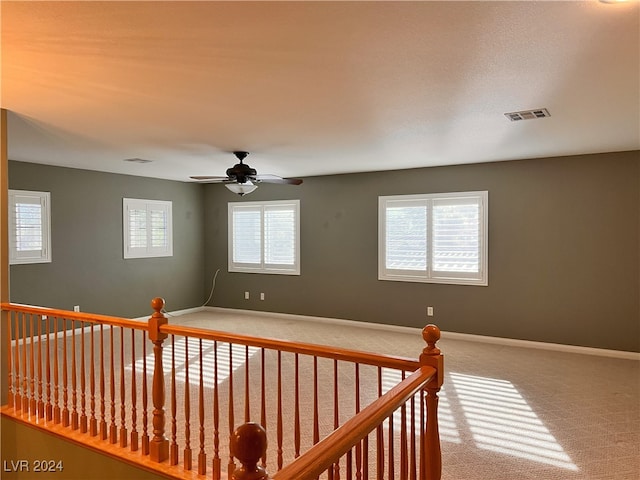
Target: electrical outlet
column 262, row 296
column 246, row 295
column 44, row 317
column 429, row 311
column 76, row 308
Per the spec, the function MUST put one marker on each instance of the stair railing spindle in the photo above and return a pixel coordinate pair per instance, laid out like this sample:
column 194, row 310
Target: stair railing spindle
column 187, row 409
column 10, row 394
column 202, row 457
column 33, row 404
column 25, row 372
column 173, row 453
column 216, row 416
column 134, row 394
column 65, row 392
column 74, row 391
column 83, row 382
column 124, row 438
column 93, row 421
column 56, row 391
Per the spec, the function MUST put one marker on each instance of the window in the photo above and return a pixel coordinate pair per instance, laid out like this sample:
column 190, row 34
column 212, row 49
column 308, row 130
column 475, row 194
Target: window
column 438, row 238
column 147, row 228
column 264, row 237
column 29, row 227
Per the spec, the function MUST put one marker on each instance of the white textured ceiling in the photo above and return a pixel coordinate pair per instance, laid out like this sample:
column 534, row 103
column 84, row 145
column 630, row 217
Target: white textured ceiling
column 314, row 88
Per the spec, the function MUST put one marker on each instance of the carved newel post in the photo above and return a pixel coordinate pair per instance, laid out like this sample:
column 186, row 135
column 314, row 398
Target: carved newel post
column 431, row 356
column 248, row 444
column 159, row 445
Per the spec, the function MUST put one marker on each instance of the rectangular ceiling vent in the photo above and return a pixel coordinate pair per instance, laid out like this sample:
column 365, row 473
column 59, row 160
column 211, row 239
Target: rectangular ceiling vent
column 528, row 114
column 137, row 160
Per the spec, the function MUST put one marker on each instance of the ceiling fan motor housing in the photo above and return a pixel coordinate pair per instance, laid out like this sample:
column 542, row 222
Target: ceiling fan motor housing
column 240, row 172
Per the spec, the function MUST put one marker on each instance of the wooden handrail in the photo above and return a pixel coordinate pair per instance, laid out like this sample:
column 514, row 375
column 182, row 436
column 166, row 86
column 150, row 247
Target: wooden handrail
column 335, row 353
column 81, row 316
column 322, row 455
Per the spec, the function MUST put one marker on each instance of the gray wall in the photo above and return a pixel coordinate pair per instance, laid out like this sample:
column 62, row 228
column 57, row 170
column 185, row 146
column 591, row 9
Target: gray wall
column 88, row 268
column 563, row 252
column 564, row 249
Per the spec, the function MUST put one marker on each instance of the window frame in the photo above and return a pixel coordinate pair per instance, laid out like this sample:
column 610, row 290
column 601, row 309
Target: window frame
column 263, row 266
column 148, row 206
column 429, row 275
column 42, row 255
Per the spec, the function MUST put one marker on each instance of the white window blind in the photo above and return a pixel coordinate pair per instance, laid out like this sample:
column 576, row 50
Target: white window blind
column 264, row 237
column 440, row 238
column 29, row 227
column 147, row 227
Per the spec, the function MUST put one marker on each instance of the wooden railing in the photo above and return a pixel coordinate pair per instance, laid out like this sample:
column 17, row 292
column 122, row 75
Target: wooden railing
column 168, row 397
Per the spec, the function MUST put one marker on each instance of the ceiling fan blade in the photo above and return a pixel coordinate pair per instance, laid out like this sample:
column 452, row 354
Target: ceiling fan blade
column 275, row 179
column 209, row 178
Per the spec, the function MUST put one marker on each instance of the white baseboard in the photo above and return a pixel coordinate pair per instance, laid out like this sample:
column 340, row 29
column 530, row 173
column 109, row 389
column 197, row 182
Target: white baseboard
column 468, row 337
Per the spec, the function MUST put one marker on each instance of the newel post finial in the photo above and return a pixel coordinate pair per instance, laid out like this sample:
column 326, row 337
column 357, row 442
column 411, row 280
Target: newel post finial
column 248, row 444
column 159, row 445
column 431, row 334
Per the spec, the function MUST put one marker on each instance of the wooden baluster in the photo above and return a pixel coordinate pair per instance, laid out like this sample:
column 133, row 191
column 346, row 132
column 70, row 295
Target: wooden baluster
column 423, row 458
column 404, row 456
column 56, row 388
column 231, row 465
column 74, row 393
column 10, row 394
column 18, row 387
column 296, row 408
column 113, row 429
column 263, row 399
column 40, row 379
column 316, row 419
column 134, row 394
column 48, row 405
column 247, row 409
column 187, row 408
column 336, row 416
column 93, row 421
column 391, row 449
column 33, row 404
column 173, row 453
column 248, row 443
column 432, row 357
column 103, row 421
column 357, row 408
column 17, row 356
column 414, row 464
column 123, row 413
column 380, row 435
column 83, row 382
column 145, row 399
column 202, row 457
column 365, row 458
column 65, row 391
column 159, row 445
column 216, row 416
column 280, row 414
column 25, row 373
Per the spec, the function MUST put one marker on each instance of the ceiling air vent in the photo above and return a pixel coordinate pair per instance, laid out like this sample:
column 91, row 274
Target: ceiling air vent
column 137, row 160
column 528, row 114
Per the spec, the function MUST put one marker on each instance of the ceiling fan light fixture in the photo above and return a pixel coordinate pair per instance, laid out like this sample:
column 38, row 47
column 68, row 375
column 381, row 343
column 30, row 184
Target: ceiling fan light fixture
column 241, row 188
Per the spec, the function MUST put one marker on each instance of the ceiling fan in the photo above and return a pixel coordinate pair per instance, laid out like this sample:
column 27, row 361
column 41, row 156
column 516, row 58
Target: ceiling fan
column 242, row 179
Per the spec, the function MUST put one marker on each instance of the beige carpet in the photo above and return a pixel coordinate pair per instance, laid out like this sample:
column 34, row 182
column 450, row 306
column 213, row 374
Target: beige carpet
column 506, row 412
